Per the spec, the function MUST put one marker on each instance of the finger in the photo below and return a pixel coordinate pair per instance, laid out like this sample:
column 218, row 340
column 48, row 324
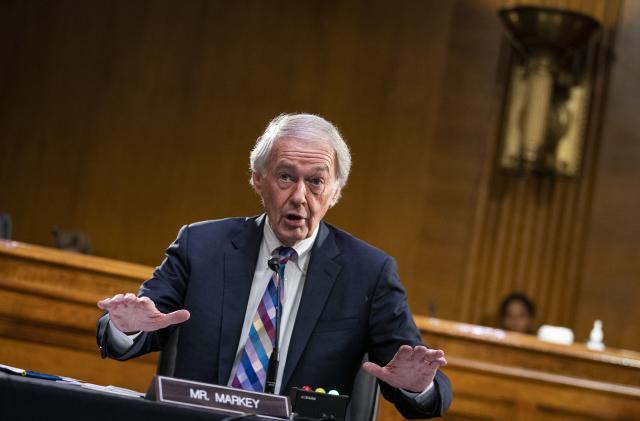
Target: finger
column 146, row 306
column 375, row 370
column 433, row 354
column 419, row 353
column 440, row 362
column 110, row 302
column 104, row 303
column 130, row 299
column 159, row 320
column 178, row 316
column 404, row 353
column 117, row 299
column 146, row 303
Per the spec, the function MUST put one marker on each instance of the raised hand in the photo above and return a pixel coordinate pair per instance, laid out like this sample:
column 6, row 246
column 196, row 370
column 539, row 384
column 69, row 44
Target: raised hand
column 412, row 369
column 130, row 314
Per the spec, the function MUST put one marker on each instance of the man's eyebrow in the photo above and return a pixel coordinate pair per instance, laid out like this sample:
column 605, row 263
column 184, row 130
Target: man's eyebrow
column 320, row 168
column 289, row 166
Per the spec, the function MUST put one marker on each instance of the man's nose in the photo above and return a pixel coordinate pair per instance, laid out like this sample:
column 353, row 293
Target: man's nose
column 299, row 194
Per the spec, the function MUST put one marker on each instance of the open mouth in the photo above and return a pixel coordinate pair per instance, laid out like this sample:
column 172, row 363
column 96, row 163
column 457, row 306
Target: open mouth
column 293, row 217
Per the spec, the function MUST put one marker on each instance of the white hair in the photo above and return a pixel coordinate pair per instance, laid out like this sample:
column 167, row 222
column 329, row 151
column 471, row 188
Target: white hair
column 303, row 127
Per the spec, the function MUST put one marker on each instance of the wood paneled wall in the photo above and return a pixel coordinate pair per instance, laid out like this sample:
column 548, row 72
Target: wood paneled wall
column 610, row 285
column 530, row 231
column 129, row 119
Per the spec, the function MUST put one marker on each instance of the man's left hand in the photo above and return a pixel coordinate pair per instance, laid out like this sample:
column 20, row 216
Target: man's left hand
column 412, row 369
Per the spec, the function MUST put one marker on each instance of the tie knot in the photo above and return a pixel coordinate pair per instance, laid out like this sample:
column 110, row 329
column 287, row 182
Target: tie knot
column 285, row 254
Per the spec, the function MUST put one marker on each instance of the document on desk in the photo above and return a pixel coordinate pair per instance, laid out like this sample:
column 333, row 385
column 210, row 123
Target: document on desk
column 34, row 374
column 69, row 381
column 11, row 370
column 113, row 390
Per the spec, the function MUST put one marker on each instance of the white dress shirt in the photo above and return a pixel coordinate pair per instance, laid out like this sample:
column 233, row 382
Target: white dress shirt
column 295, row 272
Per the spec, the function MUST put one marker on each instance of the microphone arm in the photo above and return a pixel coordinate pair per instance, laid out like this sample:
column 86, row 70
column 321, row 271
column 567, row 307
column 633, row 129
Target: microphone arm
column 274, row 359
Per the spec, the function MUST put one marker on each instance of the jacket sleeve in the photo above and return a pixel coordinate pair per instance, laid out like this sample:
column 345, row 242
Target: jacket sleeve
column 166, row 288
column 391, row 325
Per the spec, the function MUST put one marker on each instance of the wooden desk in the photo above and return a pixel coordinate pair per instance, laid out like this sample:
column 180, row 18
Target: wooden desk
column 48, row 313
column 500, row 375
column 48, row 316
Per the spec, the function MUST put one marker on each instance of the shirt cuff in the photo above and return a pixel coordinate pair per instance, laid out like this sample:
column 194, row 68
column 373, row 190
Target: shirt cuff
column 420, row 398
column 119, row 341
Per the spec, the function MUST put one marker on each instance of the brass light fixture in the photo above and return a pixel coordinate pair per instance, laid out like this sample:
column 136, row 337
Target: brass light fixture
column 549, row 91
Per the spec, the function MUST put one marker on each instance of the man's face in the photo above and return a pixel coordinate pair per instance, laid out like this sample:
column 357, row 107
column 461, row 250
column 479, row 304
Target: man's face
column 297, row 187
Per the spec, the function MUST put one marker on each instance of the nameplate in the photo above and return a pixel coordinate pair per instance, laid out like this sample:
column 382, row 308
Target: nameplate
column 218, row 398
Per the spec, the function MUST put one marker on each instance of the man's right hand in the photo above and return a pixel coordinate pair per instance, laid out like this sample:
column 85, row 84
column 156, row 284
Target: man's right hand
column 132, row 314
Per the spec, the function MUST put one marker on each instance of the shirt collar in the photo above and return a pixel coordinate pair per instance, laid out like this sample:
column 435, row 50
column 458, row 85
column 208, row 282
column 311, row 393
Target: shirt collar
column 302, row 248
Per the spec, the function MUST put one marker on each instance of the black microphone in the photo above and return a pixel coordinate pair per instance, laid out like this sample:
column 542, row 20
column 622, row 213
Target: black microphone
column 274, row 263
column 274, row 359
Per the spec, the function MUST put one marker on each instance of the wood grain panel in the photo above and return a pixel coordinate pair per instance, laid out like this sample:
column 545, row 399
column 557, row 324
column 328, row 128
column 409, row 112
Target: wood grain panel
column 77, row 364
column 454, row 164
column 500, row 375
column 175, row 94
column 531, row 231
column 611, row 281
column 48, row 313
column 129, row 119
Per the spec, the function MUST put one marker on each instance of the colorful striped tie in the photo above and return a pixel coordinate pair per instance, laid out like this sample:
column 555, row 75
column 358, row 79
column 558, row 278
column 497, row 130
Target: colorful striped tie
column 251, row 371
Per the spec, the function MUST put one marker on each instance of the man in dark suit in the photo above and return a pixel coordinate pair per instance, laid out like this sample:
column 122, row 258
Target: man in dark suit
column 342, row 297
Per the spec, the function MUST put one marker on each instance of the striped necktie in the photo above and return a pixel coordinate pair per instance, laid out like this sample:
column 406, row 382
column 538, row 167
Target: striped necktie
column 251, row 371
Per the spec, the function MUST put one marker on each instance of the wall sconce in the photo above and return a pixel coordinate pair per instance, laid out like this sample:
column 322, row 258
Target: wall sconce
column 549, row 91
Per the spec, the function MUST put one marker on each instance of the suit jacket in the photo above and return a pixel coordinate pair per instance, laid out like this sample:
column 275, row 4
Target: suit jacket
column 352, row 303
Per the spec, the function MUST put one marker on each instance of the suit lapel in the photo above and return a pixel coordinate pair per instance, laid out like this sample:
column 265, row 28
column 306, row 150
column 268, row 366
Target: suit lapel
column 239, row 266
column 321, row 275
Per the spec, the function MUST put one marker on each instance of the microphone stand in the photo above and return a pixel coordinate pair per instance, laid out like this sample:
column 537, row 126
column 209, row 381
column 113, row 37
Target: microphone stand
column 274, row 359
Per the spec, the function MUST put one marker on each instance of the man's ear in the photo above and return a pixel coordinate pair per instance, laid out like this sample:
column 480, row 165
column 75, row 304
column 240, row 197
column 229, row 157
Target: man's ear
column 256, row 181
